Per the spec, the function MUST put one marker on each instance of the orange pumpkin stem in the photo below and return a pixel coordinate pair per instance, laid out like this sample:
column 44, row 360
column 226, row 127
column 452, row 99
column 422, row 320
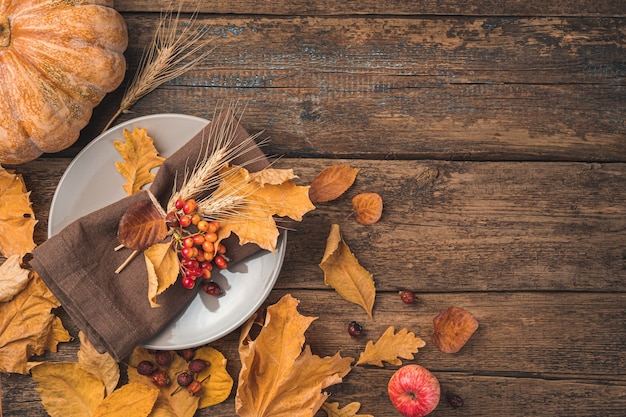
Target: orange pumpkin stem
column 5, row 31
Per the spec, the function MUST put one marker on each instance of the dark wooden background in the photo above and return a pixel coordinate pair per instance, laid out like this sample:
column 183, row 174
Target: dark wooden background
column 495, row 132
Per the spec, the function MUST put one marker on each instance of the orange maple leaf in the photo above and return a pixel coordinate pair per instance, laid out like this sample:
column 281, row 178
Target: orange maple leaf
column 390, row 347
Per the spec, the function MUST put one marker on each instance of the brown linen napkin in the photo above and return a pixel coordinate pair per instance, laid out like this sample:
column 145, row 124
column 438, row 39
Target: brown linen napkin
column 79, row 263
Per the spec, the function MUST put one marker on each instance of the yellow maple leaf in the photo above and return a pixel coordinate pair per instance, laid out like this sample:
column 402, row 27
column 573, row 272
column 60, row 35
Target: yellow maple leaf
column 27, row 326
column 163, row 268
column 140, row 157
column 350, row 410
column 17, row 220
column 344, row 273
column 136, row 400
column 100, row 365
column 278, row 376
column 390, row 347
column 13, row 278
column 67, row 390
column 259, row 198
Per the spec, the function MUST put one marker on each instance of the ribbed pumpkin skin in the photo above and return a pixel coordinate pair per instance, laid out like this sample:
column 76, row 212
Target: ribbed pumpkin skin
column 62, row 57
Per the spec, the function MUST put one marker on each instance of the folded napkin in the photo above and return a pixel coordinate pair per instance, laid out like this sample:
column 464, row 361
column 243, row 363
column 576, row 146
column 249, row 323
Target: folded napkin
column 79, row 263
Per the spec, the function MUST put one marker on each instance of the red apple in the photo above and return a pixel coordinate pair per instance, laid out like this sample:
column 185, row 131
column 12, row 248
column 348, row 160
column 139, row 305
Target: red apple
column 414, row 391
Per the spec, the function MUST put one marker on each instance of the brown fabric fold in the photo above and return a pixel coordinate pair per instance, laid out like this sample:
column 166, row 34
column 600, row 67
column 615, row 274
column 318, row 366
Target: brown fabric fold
column 79, row 263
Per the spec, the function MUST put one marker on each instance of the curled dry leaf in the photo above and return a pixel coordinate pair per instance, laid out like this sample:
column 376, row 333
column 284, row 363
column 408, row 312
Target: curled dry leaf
column 140, row 157
column 163, row 268
column 278, row 376
column 390, row 348
column 368, row 207
column 332, row 182
column 141, row 226
column 453, row 328
column 344, row 273
column 136, row 400
column 13, row 278
column 27, row 326
column 17, row 220
column 102, row 366
column 67, row 390
column 350, row 410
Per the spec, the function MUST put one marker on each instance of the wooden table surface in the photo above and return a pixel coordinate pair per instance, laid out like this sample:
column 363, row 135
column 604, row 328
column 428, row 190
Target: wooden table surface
column 495, row 132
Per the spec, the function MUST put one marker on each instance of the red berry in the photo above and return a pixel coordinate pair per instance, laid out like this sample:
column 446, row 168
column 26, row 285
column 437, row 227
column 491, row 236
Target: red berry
column 355, row 329
column 197, row 365
column 198, row 240
column 220, row 262
column 190, row 206
column 160, row 378
column 145, row 368
column 163, row 357
column 407, row 296
column 212, row 288
column 184, row 221
column 171, row 219
column 455, row 401
column 179, row 204
column 187, row 252
column 194, row 388
column 184, row 378
column 187, row 354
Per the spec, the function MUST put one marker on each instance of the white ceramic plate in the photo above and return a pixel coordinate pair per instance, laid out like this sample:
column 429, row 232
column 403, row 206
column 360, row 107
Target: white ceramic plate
column 92, row 182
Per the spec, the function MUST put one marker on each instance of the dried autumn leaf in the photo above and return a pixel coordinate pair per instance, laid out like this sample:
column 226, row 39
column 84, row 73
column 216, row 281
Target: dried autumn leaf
column 140, row 157
column 344, row 273
column 278, row 376
column 141, row 226
column 272, row 176
column 171, row 402
column 100, row 365
column 368, row 207
column 13, row 278
column 217, row 383
column 136, row 400
column 350, row 410
column 390, row 347
column 27, row 326
column 453, row 328
column 254, row 219
column 67, row 390
column 332, row 182
column 163, row 268
column 17, row 220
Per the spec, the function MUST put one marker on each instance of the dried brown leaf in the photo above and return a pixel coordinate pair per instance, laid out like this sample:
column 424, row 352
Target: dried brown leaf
column 453, row 328
column 17, row 220
column 344, row 273
column 390, row 348
column 13, row 278
column 141, row 226
column 332, row 182
column 350, row 410
column 368, row 207
column 100, row 365
column 140, row 157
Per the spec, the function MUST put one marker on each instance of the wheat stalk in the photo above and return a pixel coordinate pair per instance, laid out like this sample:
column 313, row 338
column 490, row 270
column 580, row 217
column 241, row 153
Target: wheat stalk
column 171, row 53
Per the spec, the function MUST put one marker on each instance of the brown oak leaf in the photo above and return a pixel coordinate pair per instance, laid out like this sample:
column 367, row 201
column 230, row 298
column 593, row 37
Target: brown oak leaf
column 350, row 410
column 13, row 278
column 141, row 226
column 344, row 273
column 17, row 220
column 332, row 182
column 140, row 157
column 453, row 328
column 278, row 376
column 390, row 348
column 368, row 207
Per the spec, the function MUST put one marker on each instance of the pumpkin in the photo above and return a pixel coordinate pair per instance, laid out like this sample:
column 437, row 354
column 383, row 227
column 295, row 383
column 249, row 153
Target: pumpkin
column 58, row 59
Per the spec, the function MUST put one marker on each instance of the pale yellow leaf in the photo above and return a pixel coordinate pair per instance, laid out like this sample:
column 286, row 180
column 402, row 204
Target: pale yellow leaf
column 344, row 273
column 140, row 157
column 279, row 377
column 17, row 220
column 13, row 278
column 390, row 348
column 272, row 176
column 163, row 268
column 217, row 383
column 130, row 400
column 67, row 390
column 100, row 365
column 350, row 410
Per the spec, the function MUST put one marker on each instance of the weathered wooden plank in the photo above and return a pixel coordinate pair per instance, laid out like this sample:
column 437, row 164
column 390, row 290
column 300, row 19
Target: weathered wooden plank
column 455, row 226
column 530, row 354
column 393, row 7
column 434, row 88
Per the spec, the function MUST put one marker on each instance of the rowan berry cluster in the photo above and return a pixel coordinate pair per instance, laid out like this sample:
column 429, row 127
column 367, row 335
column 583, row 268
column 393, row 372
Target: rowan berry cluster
column 196, row 244
column 186, row 379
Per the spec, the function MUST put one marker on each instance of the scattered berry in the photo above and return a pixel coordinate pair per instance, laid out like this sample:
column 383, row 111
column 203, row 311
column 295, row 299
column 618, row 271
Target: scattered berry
column 145, row 368
column 212, row 288
column 197, row 365
column 455, row 401
column 187, row 354
column 220, row 262
column 355, row 329
column 407, row 296
column 184, row 378
column 194, row 387
column 164, row 357
column 160, row 378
